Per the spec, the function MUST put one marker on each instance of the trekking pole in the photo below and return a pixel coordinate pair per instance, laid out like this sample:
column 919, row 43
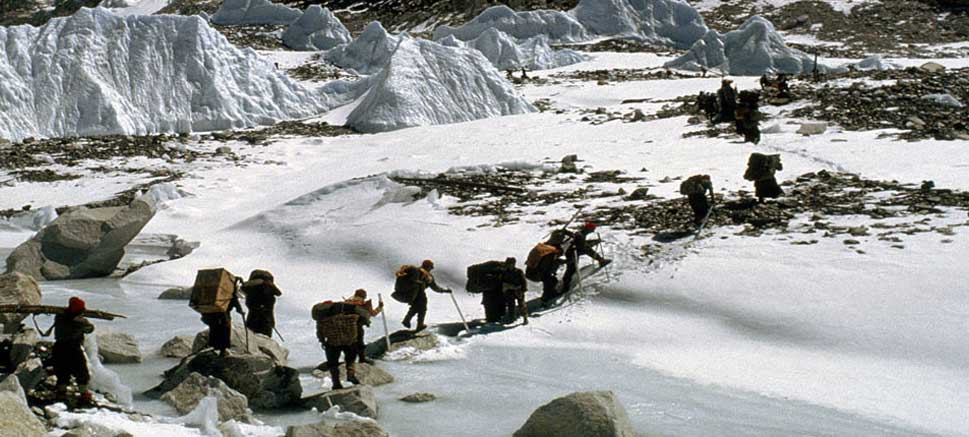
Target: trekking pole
column 384, row 318
column 277, row 333
column 463, row 322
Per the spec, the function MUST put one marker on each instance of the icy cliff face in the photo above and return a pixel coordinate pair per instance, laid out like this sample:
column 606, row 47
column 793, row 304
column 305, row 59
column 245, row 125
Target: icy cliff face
column 426, row 83
column 239, row 12
column 506, row 52
column 96, row 73
column 668, row 22
column 316, row 29
column 754, row 49
column 368, row 53
column 556, row 25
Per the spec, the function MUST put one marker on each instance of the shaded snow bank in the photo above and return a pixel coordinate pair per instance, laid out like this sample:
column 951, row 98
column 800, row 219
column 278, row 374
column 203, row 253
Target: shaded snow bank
column 368, row 53
column 426, row 83
column 97, row 73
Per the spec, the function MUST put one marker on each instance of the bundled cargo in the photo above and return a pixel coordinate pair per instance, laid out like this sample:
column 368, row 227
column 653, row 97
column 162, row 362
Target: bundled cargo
column 213, row 291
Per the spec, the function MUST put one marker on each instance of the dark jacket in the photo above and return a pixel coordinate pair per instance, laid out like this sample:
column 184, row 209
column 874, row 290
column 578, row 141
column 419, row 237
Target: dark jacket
column 260, row 293
column 70, row 328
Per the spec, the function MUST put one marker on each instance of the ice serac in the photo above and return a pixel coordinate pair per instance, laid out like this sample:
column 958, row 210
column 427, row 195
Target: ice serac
column 368, row 53
column 505, row 52
column 558, row 26
column 753, row 49
column 316, row 29
column 137, row 75
column 426, row 83
column 240, row 12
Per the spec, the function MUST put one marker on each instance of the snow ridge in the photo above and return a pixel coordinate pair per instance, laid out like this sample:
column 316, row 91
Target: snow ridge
column 97, row 73
column 426, row 83
column 239, row 12
column 316, row 29
column 368, row 53
column 505, row 52
column 556, row 25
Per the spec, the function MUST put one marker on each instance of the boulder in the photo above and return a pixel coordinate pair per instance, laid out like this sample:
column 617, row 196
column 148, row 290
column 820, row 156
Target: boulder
column 16, row 419
column 359, row 400
column 117, row 348
column 258, row 344
column 367, row 374
column 812, row 128
column 81, row 243
column 176, row 293
column 178, row 347
column 581, row 414
column 932, row 67
column 418, row 398
column 187, row 395
column 356, row 428
column 96, row 430
column 20, row 345
column 30, row 373
column 423, row 341
column 17, row 288
column 266, row 384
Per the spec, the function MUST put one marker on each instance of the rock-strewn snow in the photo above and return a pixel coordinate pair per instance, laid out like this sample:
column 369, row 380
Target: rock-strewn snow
column 427, row 83
column 558, row 26
column 368, row 53
column 316, row 29
column 96, row 73
column 239, row 12
column 754, row 49
column 668, row 22
column 505, row 52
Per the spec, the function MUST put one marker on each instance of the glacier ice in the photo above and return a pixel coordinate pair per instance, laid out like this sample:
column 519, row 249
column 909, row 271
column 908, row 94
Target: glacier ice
column 366, row 54
column 505, row 52
column 558, row 26
column 240, row 12
column 316, row 29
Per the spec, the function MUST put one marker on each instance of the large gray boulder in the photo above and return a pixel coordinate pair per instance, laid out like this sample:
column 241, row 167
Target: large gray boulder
column 178, row 347
column 21, row 345
column 16, row 419
column 359, row 400
column 82, row 243
column 266, row 384
column 117, row 348
column 187, row 395
column 422, row 341
column 356, row 428
column 17, row 289
column 96, row 430
column 176, row 293
column 581, row 414
column 257, row 344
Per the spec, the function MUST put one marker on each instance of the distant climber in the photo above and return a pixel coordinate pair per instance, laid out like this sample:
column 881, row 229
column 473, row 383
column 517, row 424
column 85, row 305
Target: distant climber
column 337, row 326
column 524, row 74
column 360, row 298
column 410, row 288
column 261, row 292
column 760, row 170
column 707, row 104
column 747, row 119
column 695, row 188
column 726, row 101
column 214, row 295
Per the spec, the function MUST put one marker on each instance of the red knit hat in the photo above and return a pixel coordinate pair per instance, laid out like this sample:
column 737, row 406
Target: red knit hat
column 75, row 305
column 589, row 226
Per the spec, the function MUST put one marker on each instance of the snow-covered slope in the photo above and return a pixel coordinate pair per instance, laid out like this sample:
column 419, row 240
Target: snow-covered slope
column 316, row 29
column 366, row 54
column 238, row 12
column 558, row 26
column 753, row 49
column 668, row 22
column 98, row 73
column 505, row 52
column 426, row 83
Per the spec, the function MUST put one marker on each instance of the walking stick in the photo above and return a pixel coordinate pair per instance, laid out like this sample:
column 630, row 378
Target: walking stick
column 280, row 335
column 464, row 322
column 384, row 318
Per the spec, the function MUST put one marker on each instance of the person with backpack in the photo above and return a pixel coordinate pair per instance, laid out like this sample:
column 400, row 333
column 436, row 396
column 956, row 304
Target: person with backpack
column 513, row 287
column 413, row 282
column 68, row 353
column 261, row 293
column 220, row 326
column 748, row 116
column 695, row 188
column 543, row 263
column 726, row 101
column 580, row 245
column 338, row 325
column 761, row 170
column 360, row 298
